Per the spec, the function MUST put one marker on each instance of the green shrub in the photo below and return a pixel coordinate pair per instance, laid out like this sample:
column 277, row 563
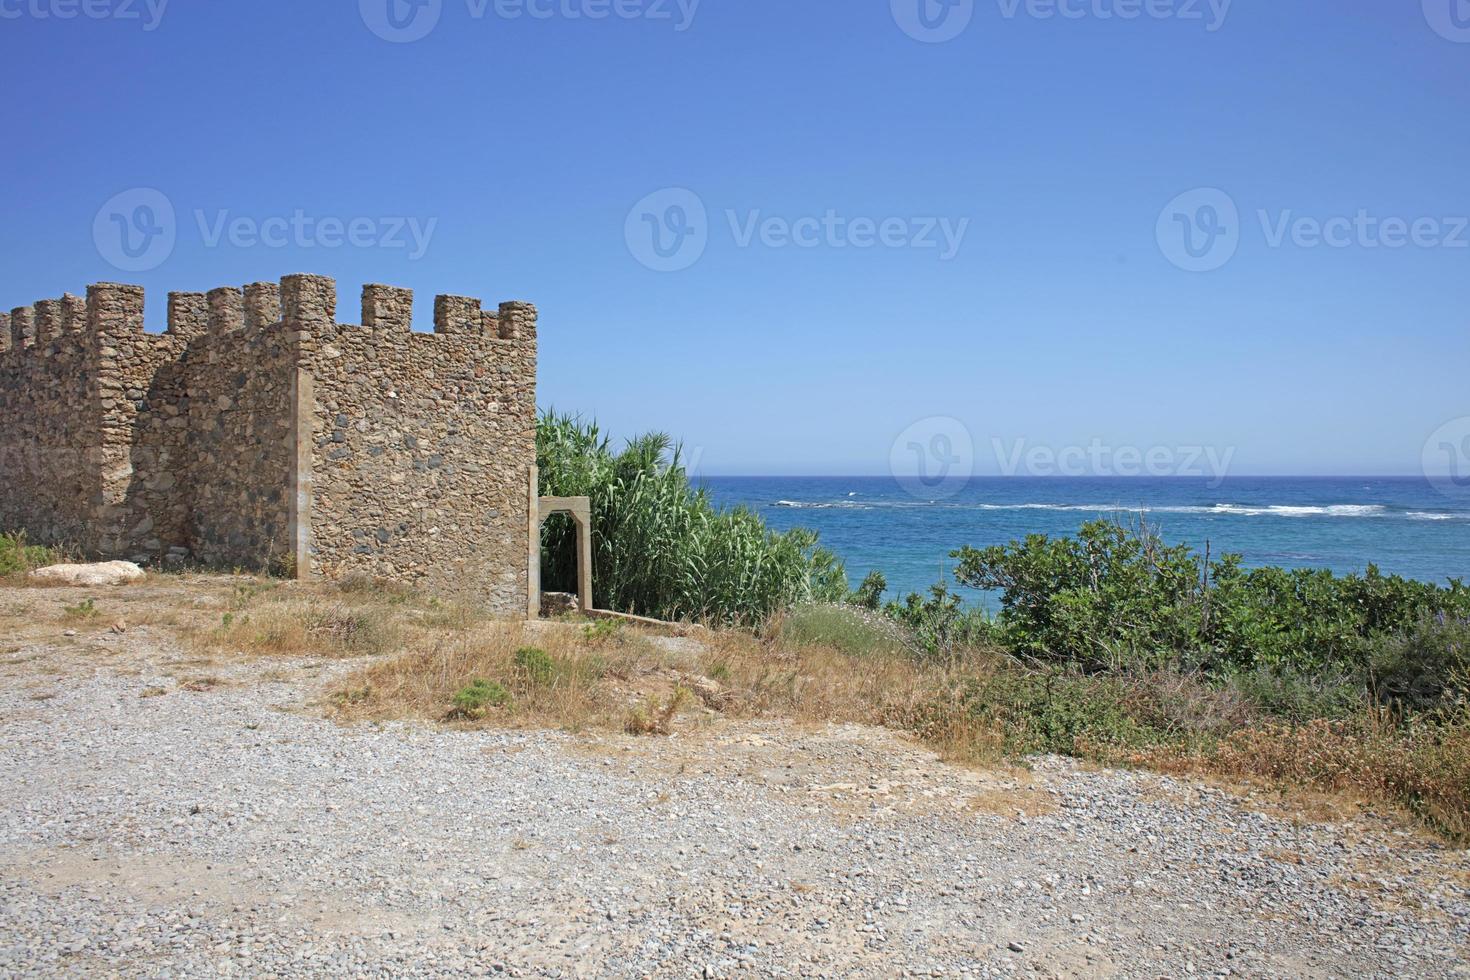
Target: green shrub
column 869, row 595
column 1420, row 668
column 536, row 664
column 86, row 609
column 940, row 625
column 1118, row 597
column 660, row 547
column 1294, row 695
column 602, row 631
column 17, row 557
column 476, row 698
column 1060, row 712
column 848, row 629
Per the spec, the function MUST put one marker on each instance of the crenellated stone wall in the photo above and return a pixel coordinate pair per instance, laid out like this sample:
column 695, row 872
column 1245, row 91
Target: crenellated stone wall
column 241, row 430
column 257, row 432
column 421, row 443
column 50, row 433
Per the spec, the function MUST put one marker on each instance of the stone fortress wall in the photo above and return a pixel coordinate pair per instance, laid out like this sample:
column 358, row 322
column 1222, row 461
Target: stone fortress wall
column 256, row 432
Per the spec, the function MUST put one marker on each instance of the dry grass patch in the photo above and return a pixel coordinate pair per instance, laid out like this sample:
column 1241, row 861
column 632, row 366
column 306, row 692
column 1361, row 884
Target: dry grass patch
column 619, row 678
column 300, row 628
column 1014, row 803
column 1418, row 767
column 305, row 621
column 507, row 674
column 656, row 716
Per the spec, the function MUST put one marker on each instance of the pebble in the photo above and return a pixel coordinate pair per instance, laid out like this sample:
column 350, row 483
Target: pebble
column 238, row 831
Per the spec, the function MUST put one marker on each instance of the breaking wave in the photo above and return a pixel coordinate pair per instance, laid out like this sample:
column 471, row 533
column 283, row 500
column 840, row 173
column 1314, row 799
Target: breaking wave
column 1220, row 510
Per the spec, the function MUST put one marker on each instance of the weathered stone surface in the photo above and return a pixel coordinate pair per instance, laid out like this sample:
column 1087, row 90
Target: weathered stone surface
column 421, row 449
column 554, row 604
column 260, row 433
column 99, row 573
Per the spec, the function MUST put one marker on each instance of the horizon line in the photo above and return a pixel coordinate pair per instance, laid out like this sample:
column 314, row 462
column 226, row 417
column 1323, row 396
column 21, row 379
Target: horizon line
column 1058, row 476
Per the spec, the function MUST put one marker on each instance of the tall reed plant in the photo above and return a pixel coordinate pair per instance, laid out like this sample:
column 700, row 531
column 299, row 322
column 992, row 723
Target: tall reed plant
column 660, row 547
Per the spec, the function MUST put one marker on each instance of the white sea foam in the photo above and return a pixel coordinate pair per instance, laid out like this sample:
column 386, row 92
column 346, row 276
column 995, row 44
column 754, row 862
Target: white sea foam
column 1216, row 510
column 1293, row 510
column 819, row 505
column 1230, row 510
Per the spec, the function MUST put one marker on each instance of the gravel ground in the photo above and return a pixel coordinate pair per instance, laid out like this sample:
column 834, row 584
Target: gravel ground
column 233, row 830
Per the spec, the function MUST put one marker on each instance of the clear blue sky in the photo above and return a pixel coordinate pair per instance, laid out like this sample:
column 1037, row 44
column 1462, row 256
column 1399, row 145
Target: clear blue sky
column 1060, row 320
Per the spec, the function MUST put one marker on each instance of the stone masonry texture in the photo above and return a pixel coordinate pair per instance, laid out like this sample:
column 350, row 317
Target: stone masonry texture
column 257, row 432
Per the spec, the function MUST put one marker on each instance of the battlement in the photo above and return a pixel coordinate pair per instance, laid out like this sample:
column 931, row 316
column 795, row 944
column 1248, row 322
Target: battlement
column 308, row 304
column 258, row 431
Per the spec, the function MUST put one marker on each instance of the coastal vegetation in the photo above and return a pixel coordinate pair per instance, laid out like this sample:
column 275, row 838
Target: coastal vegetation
column 660, row 547
column 1109, row 645
column 1114, row 646
column 17, row 557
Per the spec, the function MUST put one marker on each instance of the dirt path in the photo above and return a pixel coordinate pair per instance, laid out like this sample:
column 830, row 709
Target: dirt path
column 148, row 828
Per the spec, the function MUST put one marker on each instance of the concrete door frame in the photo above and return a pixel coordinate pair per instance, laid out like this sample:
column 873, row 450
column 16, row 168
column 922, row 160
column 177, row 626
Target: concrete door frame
column 580, row 510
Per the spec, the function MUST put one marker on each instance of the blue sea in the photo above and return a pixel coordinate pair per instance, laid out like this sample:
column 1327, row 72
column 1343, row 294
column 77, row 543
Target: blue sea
column 1405, row 526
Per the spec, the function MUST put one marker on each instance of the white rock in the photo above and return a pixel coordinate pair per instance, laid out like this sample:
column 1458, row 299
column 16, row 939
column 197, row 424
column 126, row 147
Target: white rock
column 99, row 573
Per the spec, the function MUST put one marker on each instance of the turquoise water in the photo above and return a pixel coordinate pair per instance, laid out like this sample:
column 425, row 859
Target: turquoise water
column 1405, row 526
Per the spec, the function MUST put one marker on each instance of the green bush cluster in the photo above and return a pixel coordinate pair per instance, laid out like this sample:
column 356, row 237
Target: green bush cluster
column 1059, row 712
column 940, row 625
column 17, row 557
column 660, row 547
column 1116, row 597
column 536, row 664
column 1421, row 668
column 854, row 630
column 478, row 696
